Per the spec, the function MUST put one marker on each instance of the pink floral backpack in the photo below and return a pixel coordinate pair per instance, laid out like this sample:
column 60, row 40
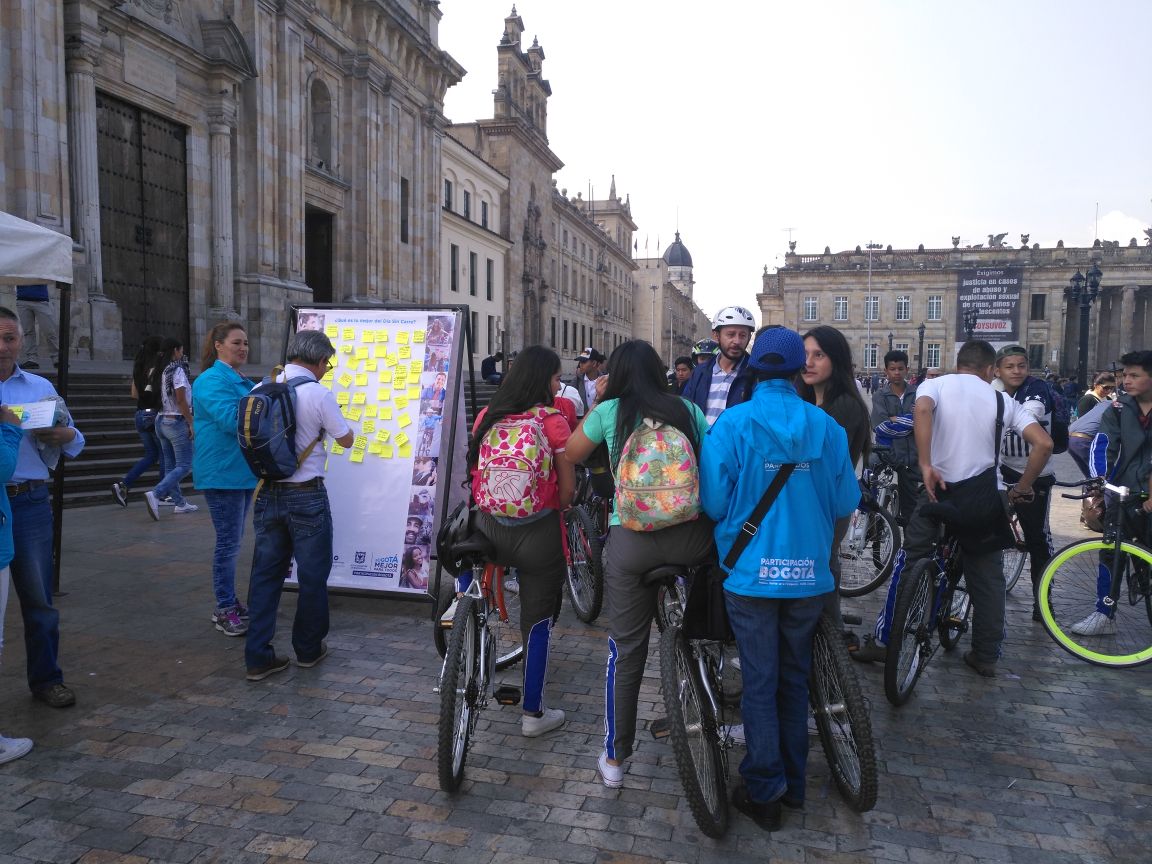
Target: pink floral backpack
column 514, row 458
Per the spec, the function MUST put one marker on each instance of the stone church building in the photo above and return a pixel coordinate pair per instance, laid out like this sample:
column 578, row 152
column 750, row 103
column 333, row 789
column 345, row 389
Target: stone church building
column 226, row 158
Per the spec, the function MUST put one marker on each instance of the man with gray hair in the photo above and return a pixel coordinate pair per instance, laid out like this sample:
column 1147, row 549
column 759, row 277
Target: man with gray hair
column 292, row 518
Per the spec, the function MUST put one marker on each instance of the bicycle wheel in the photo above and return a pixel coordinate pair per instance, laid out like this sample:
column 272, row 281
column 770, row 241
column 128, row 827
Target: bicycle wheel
column 1014, row 560
column 1068, row 595
column 459, row 695
column 952, row 619
column 670, row 603
column 585, row 565
column 695, row 739
column 867, row 552
column 910, row 638
column 842, row 718
column 506, row 633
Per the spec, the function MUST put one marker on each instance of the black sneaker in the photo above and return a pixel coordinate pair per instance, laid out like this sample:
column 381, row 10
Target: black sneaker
column 870, row 652
column 120, row 493
column 988, row 670
column 57, row 696
column 259, row 673
column 308, row 664
column 768, row 815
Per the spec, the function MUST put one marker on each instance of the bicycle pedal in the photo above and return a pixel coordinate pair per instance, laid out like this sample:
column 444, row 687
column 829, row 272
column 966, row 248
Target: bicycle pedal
column 506, row 694
column 852, row 619
column 659, row 728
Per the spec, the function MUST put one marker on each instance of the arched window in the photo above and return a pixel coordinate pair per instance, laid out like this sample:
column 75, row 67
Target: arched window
column 321, row 144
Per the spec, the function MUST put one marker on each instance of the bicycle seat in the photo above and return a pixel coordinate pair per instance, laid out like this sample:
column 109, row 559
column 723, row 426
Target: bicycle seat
column 475, row 545
column 663, row 573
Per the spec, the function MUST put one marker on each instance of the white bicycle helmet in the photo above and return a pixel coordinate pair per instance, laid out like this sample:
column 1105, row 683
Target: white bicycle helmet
column 733, row 316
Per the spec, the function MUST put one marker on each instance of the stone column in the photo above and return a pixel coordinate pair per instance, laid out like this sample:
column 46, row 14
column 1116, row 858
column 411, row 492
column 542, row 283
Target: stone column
column 80, row 65
column 1127, row 319
column 221, row 122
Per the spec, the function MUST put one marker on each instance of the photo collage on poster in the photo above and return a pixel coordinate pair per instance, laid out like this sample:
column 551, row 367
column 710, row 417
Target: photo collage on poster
column 390, row 378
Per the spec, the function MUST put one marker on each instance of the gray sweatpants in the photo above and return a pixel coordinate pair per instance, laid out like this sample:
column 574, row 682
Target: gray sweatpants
column 630, row 607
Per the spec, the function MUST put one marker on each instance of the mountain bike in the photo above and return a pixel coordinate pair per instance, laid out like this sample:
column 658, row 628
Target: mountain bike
column 1016, row 556
column 869, row 547
column 583, row 549
column 483, row 639
column 930, row 603
column 1110, row 575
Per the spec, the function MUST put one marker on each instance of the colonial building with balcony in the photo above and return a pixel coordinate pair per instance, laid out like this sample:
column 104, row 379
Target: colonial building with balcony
column 881, row 298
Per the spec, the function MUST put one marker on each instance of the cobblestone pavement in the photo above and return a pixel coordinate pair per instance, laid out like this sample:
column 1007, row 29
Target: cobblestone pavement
column 171, row 755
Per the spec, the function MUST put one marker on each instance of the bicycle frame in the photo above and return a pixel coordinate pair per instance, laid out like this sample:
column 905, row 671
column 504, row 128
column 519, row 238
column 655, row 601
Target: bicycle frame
column 1123, row 496
column 484, row 582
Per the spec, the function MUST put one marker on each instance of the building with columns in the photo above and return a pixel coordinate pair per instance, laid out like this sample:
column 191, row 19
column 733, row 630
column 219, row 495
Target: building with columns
column 882, row 297
column 669, row 318
column 226, row 158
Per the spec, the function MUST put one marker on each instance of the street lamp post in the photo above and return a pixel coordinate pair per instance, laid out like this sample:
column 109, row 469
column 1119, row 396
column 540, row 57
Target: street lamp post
column 890, row 338
column 1082, row 291
column 920, row 353
column 971, row 318
column 868, row 304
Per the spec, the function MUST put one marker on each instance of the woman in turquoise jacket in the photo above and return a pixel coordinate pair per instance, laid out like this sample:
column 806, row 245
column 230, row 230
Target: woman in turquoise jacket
column 10, row 434
column 218, row 466
column 773, row 593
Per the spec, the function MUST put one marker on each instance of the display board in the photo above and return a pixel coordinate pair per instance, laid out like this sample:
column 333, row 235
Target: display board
column 396, row 377
column 994, row 292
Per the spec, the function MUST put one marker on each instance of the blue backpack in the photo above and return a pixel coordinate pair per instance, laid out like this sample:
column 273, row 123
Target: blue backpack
column 266, row 428
column 1061, row 418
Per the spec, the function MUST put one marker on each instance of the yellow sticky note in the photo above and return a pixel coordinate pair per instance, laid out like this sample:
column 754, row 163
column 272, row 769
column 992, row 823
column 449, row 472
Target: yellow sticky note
column 359, row 398
column 406, row 451
column 362, row 379
column 353, row 363
column 386, row 451
column 413, row 392
column 417, row 367
column 345, row 379
column 418, row 336
column 360, row 442
column 369, row 427
column 385, row 412
column 369, row 365
column 390, row 360
column 381, row 335
column 368, row 336
column 348, row 333
column 399, row 383
column 401, row 439
column 331, row 331
column 361, row 352
column 345, row 348
column 402, row 338
column 404, row 420
column 375, row 449
column 405, row 352
column 342, row 398
column 385, row 376
column 354, row 414
column 380, row 351
column 336, row 449
column 383, row 396
column 357, row 456
column 401, row 401
column 382, row 436
column 369, row 410
column 328, row 379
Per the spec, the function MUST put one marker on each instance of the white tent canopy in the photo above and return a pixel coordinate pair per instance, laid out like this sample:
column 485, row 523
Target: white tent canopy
column 31, row 254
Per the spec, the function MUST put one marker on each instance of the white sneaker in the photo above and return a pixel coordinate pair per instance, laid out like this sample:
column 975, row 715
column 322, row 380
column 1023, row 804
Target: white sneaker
column 186, row 507
column 534, row 727
column 167, row 502
column 736, row 733
column 153, row 505
column 449, row 615
column 12, row 749
column 612, row 775
column 1096, row 624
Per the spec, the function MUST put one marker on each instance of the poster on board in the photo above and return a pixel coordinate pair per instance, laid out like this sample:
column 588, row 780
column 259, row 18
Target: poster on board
column 396, row 376
column 994, row 292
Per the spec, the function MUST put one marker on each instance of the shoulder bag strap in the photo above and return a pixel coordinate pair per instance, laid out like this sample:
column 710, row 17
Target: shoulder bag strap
column 748, row 529
column 999, row 429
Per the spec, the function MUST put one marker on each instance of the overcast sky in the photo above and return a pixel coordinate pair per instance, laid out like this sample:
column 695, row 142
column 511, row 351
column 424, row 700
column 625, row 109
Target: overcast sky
column 849, row 122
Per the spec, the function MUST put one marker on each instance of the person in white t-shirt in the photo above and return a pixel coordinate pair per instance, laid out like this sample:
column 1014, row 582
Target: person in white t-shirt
column 955, row 428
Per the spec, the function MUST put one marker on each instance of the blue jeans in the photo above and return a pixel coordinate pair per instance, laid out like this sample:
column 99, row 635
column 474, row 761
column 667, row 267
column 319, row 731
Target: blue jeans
column 176, row 446
column 289, row 523
column 32, row 578
column 146, row 429
column 229, row 509
column 775, row 642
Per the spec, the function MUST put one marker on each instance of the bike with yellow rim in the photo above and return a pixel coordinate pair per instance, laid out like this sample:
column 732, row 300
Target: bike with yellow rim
column 1096, row 595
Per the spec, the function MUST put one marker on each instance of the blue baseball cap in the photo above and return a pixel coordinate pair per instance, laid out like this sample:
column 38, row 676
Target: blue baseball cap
column 778, row 349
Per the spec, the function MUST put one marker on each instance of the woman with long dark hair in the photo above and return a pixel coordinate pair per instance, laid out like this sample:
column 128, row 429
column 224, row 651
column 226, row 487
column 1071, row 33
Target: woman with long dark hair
column 635, row 392
column 174, row 426
column 827, row 382
column 147, row 409
column 528, row 538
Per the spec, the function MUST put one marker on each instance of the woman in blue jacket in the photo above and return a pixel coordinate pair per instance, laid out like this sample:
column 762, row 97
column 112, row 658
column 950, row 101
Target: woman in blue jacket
column 218, row 466
column 774, row 592
column 10, row 434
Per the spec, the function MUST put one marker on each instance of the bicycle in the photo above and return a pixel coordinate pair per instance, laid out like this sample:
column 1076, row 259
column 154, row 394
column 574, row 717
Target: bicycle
column 583, row 550
column 868, row 550
column 1093, row 575
column 477, row 647
column 929, row 599
column 1015, row 557
column 697, row 690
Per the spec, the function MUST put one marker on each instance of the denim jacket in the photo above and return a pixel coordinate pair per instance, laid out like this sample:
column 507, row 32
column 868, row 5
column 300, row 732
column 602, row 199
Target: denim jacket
column 217, row 462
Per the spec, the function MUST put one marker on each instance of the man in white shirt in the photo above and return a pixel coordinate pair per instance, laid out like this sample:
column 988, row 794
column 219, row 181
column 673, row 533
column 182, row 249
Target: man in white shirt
column 955, row 428
column 292, row 518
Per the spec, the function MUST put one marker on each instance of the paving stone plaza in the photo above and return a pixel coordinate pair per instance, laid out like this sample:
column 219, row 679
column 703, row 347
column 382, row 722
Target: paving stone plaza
column 170, row 755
